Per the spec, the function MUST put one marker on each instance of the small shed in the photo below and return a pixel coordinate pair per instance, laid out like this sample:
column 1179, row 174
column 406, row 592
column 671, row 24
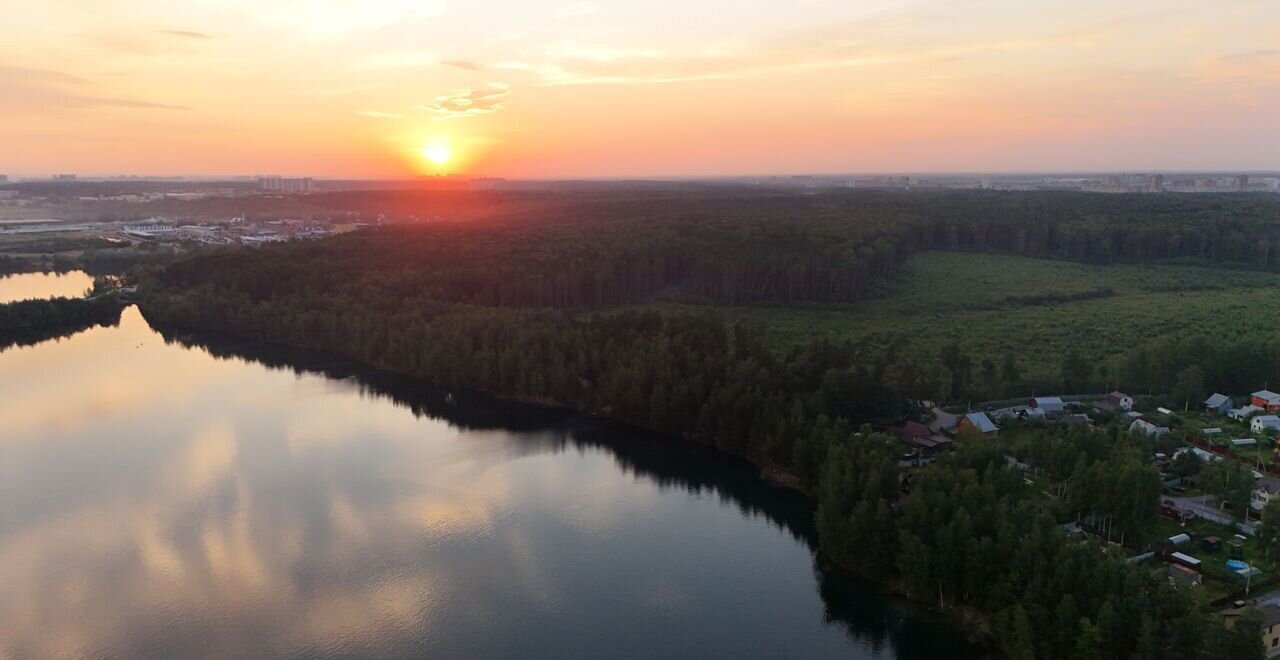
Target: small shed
column 1218, row 404
column 980, row 423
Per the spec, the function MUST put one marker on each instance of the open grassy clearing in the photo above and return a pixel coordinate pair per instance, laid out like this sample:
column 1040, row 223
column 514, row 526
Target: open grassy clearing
column 1033, row 308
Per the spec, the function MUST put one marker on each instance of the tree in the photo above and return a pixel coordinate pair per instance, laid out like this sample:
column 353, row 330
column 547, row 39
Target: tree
column 958, row 365
column 1009, row 373
column 1230, row 481
column 1076, row 372
column 1268, row 532
column 1189, row 387
column 1187, row 464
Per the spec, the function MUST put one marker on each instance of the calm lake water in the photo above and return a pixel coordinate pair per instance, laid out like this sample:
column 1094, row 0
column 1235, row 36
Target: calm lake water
column 26, row 286
column 157, row 501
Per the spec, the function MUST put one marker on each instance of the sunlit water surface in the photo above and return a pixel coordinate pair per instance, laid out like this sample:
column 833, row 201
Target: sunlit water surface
column 27, row 286
column 158, row 502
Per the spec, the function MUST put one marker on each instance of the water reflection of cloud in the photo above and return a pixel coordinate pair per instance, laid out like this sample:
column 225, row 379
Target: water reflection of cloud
column 248, row 512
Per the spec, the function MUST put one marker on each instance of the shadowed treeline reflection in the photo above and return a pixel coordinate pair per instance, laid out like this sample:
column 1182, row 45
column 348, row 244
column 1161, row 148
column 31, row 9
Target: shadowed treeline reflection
column 867, row 615
column 188, row 497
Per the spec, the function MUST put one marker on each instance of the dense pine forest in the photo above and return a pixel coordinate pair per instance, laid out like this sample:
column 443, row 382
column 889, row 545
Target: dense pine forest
column 535, row 306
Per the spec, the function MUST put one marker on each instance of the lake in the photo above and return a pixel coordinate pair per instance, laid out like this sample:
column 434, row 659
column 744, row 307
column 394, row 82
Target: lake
column 215, row 500
column 25, row 286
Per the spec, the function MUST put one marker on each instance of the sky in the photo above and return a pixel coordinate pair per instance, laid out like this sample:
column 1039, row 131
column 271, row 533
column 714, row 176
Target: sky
column 619, row 88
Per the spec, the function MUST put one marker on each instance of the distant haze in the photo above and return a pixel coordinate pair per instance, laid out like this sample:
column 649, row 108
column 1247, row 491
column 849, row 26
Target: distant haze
column 614, row 88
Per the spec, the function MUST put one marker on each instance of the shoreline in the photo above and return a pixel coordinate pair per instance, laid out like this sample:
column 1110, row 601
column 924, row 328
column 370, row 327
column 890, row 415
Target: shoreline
column 971, row 624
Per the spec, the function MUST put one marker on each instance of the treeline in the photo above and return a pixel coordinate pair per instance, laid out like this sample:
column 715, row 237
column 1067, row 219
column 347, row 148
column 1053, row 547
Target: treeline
column 686, row 375
column 784, row 247
column 31, row 321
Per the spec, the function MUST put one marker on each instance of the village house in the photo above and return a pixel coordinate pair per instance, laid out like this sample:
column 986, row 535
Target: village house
column 1148, row 428
column 1048, row 407
column 922, row 437
column 1218, row 404
column 1271, row 630
column 980, row 423
column 1244, row 412
column 1263, row 490
column 1120, row 401
column 1263, row 423
column 1267, row 400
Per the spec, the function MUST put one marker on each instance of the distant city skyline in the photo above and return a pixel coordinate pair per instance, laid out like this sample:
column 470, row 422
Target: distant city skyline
column 613, row 89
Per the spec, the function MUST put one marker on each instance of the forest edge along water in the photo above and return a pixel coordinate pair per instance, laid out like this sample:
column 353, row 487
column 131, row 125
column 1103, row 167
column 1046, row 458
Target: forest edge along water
column 852, row 618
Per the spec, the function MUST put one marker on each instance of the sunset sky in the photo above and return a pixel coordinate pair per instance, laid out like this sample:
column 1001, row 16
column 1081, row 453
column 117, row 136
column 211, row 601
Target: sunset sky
column 556, row 88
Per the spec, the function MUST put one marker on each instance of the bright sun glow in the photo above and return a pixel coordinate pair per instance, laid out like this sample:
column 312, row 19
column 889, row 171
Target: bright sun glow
column 438, row 153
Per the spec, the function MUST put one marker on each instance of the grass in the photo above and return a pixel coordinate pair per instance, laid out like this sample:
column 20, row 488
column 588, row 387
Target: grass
column 1035, row 309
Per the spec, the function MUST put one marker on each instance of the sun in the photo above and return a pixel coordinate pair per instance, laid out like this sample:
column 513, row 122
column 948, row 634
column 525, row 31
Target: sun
column 438, row 153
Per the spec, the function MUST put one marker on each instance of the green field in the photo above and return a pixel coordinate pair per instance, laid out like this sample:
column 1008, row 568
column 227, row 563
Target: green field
column 1035, row 309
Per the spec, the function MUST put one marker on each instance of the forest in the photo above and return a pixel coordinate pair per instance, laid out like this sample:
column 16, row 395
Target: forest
column 556, row 309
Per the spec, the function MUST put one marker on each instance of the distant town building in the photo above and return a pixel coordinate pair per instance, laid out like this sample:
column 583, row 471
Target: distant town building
column 285, row 184
column 64, row 177
column 1240, row 183
column 1156, row 183
column 4, row 178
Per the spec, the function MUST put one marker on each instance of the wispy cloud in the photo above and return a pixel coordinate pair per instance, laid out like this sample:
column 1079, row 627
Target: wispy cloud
column 42, row 91
column 578, row 9
column 1254, row 67
column 400, row 59
column 469, row 102
column 378, row 114
column 463, row 64
column 186, row 34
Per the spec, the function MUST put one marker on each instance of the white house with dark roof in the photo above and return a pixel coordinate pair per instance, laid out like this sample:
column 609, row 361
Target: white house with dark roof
column 1263, row 490
column 1148, row 428
column 1264, row 423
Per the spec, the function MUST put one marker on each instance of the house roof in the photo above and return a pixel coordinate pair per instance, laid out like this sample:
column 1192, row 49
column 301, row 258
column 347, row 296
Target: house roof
column 1267, row 395
column 981, row 422
column 1267, row 484
column 1267, row 420
column 1148, row 427
column 1117, row 395
column 1048, row 402
column 1217, row 401
column 915, row 430
column 1270, row 615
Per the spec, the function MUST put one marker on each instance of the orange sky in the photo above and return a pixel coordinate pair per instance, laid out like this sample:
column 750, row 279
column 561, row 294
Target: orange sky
column 559, row 88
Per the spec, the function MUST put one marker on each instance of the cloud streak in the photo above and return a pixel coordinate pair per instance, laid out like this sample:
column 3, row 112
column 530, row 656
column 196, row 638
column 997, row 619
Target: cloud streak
column 40, row 90
column 469, row 102
column 188, row 34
